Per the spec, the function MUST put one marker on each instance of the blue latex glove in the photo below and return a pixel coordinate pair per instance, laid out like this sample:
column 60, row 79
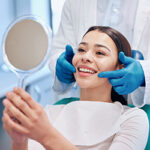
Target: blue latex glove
column 64, row 67
column 125, row 80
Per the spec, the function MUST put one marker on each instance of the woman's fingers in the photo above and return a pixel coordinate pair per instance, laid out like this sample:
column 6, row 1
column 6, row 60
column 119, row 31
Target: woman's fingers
column 15, row 114
column 26, row 97
column 19, row 103
column 23, row 105
column 31, row 115
column 8, row 122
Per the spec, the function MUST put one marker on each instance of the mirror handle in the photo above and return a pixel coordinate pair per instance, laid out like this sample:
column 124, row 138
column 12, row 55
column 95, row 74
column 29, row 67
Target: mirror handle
column 21, row 81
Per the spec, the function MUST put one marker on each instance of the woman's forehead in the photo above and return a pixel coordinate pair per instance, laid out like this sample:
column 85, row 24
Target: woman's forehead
column 96, row 37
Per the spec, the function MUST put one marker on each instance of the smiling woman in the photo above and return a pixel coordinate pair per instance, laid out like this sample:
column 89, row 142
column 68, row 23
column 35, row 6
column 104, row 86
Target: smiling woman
column 98, row 52
column 90, row 123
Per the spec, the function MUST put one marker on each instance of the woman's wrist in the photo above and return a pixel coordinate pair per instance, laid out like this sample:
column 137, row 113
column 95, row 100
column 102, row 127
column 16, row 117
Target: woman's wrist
column 48, row 140
column 55, row 141
column 20, row 146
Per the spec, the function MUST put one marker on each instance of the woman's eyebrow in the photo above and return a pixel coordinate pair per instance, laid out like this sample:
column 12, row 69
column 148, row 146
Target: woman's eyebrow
column 99, row 45
column 96, row 45
column 83, row 43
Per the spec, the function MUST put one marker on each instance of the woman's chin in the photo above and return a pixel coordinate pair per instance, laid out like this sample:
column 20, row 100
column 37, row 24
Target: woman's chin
column 91, row 82
column 84, row 84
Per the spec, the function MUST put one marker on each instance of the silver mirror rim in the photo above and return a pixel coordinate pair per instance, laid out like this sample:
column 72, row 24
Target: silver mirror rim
column 46, row 29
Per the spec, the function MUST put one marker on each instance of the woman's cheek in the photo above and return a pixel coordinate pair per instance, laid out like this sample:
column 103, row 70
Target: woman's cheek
column 74, row 60
column 106, row 65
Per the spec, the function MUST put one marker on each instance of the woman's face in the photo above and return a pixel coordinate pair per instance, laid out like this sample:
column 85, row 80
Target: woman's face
column 96, row 53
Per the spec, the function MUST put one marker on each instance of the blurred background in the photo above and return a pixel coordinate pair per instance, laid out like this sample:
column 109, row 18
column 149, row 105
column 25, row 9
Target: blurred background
column 38, row 84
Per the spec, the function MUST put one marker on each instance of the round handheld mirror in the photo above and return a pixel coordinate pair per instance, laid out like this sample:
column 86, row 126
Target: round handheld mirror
column 26, row 45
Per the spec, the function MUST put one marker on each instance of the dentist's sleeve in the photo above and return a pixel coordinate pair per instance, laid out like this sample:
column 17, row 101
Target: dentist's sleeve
column 64, row 36
column 141, row 96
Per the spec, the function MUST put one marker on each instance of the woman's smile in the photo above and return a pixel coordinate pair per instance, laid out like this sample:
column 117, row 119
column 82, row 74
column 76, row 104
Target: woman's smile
column 86, row 71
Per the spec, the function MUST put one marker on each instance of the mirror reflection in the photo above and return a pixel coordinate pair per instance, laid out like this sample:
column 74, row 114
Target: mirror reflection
column 26, row 44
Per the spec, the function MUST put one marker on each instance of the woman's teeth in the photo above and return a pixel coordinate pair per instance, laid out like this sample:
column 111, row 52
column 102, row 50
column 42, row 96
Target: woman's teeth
column 86, row 70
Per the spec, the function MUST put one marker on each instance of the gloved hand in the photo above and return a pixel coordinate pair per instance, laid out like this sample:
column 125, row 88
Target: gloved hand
column 126, row 80
column 64, row 67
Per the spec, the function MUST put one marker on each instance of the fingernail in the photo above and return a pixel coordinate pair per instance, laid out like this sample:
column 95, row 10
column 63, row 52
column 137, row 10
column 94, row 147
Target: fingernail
column 8, row 94
column 5, row 101
column 15, row 88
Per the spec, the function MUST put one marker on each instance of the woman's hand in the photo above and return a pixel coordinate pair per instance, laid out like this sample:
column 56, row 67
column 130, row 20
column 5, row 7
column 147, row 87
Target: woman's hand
column 32, row 120
column 23, row 117
column 8, row 121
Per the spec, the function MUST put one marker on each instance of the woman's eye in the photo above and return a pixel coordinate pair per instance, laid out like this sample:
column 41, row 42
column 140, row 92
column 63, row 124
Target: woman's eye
column 100, row 53
column 81, row 50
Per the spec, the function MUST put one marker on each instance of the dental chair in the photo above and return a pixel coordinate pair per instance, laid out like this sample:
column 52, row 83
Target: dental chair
column 136, row 55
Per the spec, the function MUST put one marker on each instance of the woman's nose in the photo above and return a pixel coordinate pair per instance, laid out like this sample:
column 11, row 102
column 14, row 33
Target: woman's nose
column 87, row 57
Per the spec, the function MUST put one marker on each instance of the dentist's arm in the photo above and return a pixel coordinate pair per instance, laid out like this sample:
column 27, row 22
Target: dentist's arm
column 126, row 80
column 65, row 35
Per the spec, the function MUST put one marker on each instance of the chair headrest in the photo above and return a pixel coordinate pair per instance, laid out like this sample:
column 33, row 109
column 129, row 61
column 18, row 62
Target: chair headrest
column 136, row 54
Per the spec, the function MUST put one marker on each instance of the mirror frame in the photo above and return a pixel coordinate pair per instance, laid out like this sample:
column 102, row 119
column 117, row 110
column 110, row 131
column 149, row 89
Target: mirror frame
column 48, row 31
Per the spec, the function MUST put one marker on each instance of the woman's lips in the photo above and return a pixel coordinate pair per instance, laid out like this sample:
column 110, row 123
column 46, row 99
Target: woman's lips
column 86, row 71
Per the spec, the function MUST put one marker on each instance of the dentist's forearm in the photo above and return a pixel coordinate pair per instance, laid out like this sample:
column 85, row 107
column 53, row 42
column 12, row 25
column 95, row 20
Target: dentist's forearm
column 56, row 142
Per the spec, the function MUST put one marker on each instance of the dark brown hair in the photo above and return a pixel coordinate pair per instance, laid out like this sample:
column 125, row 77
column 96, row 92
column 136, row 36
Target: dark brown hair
column 122, row 44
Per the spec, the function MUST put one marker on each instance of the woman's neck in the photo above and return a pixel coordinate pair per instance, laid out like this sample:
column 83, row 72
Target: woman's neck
column 102, row 94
